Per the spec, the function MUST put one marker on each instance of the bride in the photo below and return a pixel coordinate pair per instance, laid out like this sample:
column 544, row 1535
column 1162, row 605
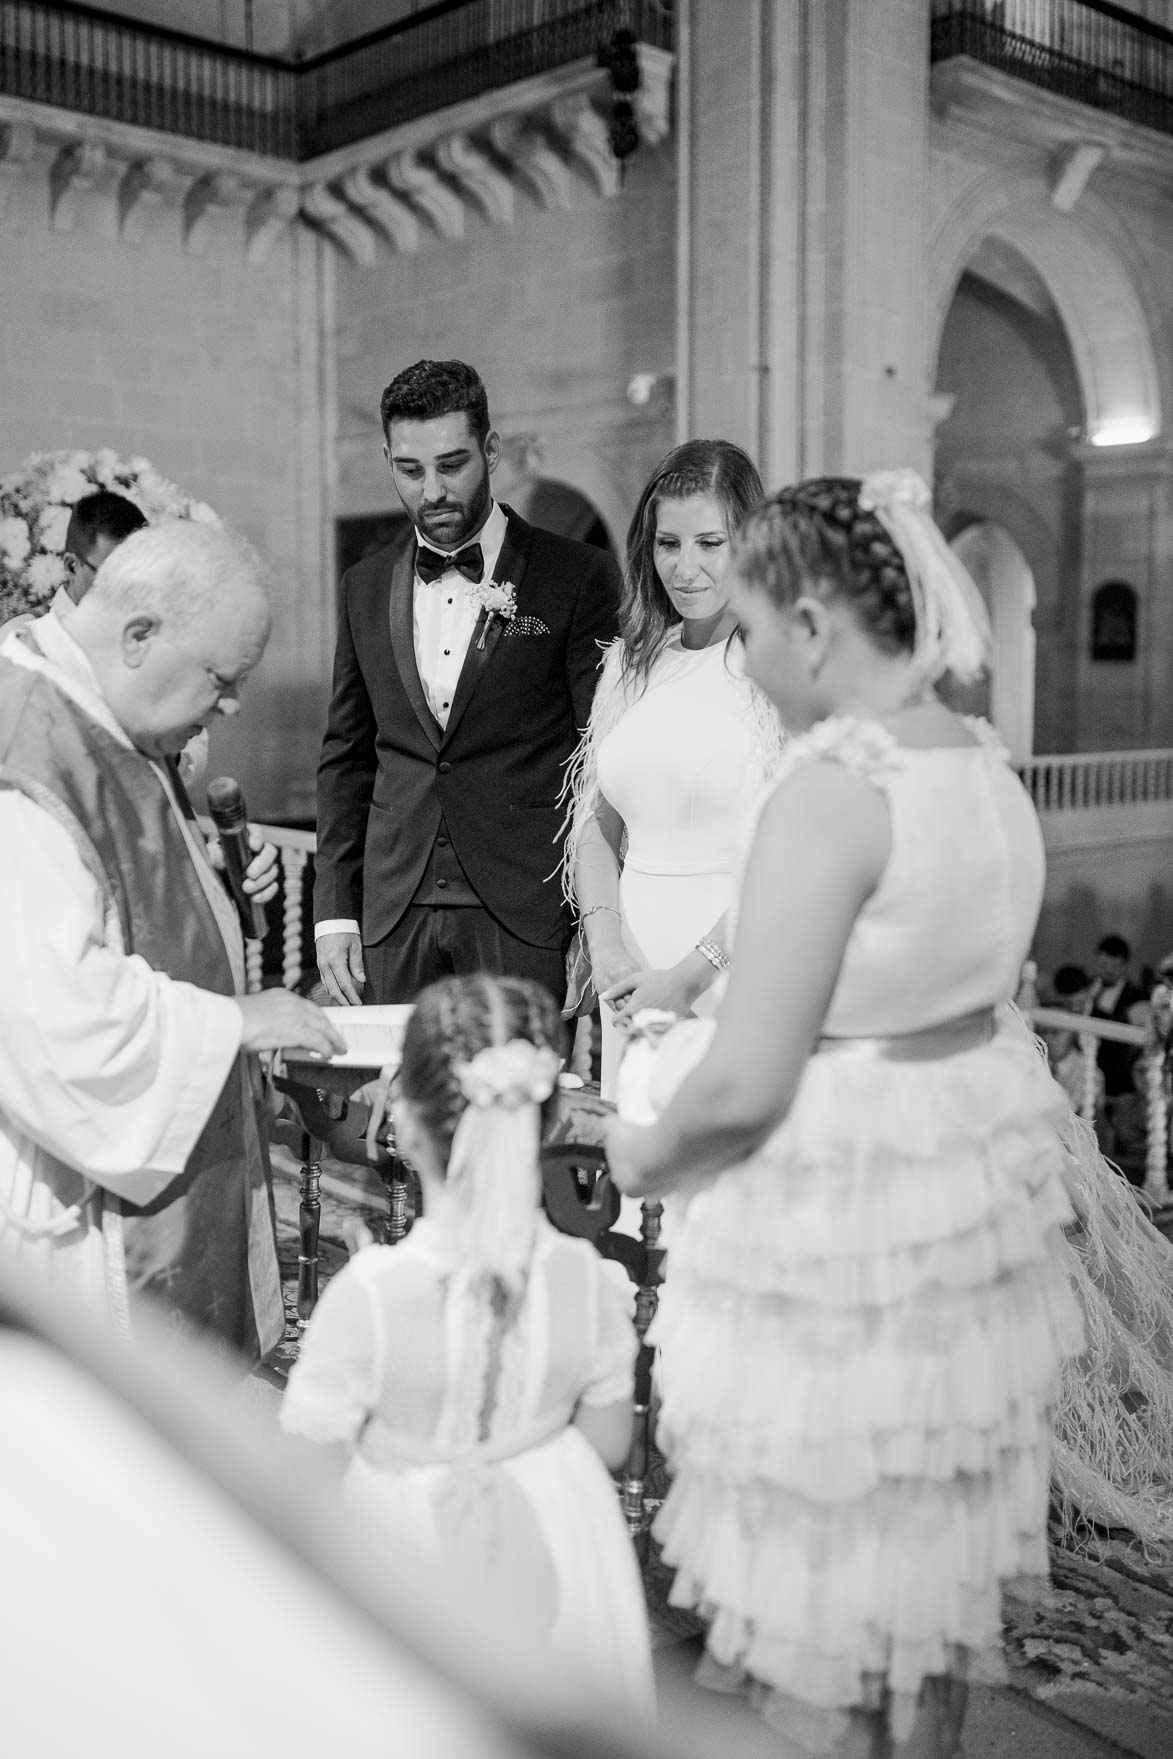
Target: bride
column 679, row 744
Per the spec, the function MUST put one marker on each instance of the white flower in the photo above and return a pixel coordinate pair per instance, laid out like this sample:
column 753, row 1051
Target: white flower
column 497, row 598
column 14, row 541
column 500, row 599
column 512, row 1075
column 885, row 488
column 45, row 575
column 68, row 484
column 52, row 527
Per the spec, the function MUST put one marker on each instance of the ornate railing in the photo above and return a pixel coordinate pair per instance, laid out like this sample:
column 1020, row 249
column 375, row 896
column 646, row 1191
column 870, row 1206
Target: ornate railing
column 1099, row 779
column 1153, row 1045
column 77, row 58
column 1089, row 50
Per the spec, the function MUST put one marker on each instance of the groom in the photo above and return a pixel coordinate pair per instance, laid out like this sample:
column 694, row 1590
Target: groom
column 467, row 658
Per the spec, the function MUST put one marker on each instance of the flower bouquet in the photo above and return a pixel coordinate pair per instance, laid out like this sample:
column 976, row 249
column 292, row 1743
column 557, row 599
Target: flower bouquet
column 35, row 504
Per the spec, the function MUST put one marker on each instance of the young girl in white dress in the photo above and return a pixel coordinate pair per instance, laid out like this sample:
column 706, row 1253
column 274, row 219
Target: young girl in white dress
column 866, row 1313
column 479, row 1373
column 679, row 744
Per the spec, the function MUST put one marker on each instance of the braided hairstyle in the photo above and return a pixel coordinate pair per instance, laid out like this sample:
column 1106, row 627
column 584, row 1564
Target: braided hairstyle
column 716, row 468
column 454, row 1019
column 816, row 538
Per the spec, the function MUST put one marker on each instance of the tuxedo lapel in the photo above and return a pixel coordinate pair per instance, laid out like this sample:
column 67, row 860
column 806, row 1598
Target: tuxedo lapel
column 511, row 566
column 403, row 639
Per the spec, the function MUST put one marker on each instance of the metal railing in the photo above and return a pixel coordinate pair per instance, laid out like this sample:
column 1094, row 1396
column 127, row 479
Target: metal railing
column 1089, row 50
column 1098, row 779
column 76, row 58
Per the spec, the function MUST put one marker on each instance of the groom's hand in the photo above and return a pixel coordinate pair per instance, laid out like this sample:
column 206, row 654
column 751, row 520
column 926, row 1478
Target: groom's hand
column 340, row 967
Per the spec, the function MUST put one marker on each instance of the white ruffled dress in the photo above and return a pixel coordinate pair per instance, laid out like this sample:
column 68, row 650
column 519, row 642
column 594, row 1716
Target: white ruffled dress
column 863, row 1326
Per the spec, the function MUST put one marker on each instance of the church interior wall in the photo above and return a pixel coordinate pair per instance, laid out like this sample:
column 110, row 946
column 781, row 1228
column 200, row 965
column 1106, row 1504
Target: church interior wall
column 1003, row 453
column 559, row 311
column 208, row 366
column 1106, row 272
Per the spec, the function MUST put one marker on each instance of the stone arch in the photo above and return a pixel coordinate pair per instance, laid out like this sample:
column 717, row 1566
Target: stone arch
column 575, row 468
column 1086, row 264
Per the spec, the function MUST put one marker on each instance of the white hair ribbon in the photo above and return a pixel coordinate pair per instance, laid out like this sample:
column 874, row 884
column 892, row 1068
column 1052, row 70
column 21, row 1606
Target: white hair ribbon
column 952, row 624
column 494, row 1168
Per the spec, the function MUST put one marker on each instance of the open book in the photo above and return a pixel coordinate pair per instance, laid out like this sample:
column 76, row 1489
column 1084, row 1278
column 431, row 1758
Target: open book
column 374, row 1036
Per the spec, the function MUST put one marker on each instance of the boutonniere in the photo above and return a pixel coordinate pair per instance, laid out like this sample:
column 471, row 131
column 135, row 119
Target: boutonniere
column 496, row 598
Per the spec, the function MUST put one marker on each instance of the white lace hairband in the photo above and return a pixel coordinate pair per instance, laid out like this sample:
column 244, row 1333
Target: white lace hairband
column 952, row 623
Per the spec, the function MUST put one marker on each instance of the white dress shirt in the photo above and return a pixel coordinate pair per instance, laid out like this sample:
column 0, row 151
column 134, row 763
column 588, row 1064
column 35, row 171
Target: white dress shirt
column 444, row 615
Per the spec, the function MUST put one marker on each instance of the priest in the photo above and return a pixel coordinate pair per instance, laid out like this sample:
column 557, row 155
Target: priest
column 132, row 1156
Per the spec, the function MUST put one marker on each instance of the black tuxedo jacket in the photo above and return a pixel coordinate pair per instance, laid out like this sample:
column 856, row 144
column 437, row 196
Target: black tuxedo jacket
column 388, row 772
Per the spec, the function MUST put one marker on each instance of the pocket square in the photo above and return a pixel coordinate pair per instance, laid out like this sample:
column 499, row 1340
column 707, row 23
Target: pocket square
column 527, row 626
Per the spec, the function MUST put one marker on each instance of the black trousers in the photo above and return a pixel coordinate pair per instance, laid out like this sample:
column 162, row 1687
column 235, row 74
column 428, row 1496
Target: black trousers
column 428, row 943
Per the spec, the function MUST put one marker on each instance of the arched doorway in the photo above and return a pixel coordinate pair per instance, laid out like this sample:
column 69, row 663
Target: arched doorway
column 556, row 506
column 1003, row 576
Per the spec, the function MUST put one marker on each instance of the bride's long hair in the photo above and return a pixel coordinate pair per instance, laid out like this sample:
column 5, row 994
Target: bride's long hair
column 716, row 468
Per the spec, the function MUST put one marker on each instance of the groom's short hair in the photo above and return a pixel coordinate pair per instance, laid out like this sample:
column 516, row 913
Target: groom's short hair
column 436, row 387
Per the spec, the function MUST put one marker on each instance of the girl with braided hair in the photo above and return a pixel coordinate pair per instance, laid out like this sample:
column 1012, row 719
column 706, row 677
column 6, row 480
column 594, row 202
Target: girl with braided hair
column 679, row 744
column 866, row 1314
column 479, row 1374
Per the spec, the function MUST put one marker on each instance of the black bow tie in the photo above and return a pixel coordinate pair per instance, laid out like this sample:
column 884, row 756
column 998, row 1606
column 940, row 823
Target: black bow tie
column 430, row 564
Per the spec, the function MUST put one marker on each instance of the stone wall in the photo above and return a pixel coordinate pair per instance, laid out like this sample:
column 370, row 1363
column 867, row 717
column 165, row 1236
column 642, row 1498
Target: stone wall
column 212, row 367
column 559, row 310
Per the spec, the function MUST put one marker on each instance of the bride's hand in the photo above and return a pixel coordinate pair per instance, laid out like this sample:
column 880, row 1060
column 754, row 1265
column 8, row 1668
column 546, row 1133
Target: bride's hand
column 673, row 991
column 611, row 968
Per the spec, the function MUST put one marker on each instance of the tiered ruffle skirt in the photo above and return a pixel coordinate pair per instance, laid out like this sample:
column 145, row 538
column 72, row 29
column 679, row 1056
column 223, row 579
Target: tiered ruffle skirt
column 860, row 1340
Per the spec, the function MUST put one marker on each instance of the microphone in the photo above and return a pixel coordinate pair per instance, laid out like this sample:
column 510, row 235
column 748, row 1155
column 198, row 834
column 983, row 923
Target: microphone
column 226, row 810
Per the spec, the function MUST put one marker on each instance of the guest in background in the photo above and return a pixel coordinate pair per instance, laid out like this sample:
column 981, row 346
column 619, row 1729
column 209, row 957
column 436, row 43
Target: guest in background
column 679, row 744
column 1072, row 988
column 97, row 525
column 1116, row 997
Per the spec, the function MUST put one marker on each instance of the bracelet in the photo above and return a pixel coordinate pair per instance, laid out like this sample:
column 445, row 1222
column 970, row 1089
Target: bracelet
column 717, row 958
column 597, row 907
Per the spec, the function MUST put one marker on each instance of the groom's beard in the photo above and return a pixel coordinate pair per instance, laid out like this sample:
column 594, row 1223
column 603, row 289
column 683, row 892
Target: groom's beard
column 449, row 535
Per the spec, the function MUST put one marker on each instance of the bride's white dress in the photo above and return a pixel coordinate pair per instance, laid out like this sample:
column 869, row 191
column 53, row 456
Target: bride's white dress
column 681, row 766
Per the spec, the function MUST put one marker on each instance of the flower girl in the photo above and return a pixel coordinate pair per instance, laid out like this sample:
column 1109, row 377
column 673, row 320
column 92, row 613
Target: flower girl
column 867, row 1312
column 480, row 1371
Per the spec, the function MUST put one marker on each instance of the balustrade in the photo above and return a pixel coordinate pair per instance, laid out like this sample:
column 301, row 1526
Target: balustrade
column 77, row 58
column 1089, row 50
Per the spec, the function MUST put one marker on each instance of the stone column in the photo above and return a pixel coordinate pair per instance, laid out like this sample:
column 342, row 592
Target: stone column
column 802, row 231
column 1127, row 536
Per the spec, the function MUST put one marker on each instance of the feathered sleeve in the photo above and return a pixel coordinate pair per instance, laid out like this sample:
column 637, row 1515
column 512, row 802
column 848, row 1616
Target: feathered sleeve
column 580, row 794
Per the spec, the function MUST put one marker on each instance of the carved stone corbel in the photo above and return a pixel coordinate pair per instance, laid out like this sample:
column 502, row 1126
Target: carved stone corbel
column 142, row 190
column 74, row 172
column 423, row 186
column 475, row 173
column 208, row 199
column 588, row 141
column 389, row 214
column 18, row 143
column 535, row 163
column 270, row 213
column 653, row 100
column 1072, row 172
column 354, row 238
